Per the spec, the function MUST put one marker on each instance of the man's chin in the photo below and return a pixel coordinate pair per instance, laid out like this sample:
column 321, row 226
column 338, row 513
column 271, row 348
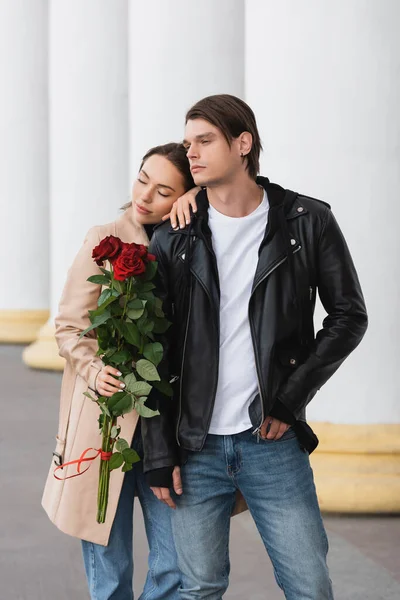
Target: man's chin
column 200, row 179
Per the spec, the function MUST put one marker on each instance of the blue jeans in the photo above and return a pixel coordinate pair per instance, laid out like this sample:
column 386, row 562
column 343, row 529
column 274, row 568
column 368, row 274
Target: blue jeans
column 276, row 480
column 109, row 569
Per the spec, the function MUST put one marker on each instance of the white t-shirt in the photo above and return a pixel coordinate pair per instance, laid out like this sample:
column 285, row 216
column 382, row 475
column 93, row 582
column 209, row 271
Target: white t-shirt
column 236, row 242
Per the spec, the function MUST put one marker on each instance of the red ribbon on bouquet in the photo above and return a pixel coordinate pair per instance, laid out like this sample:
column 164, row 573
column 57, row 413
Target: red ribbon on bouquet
column 80, row 460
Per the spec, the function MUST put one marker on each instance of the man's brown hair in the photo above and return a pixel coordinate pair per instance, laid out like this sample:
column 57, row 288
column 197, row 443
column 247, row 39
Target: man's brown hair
column 232, row 116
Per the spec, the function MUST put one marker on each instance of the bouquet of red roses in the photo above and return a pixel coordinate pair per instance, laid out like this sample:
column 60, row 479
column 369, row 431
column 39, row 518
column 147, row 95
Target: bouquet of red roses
column 127, row 321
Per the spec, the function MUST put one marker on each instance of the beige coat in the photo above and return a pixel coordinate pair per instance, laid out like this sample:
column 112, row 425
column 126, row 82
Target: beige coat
column 72, row 504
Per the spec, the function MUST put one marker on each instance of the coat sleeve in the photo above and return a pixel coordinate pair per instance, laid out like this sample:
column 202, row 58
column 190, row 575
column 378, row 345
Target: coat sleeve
column 158, row 433
column 344, row 326
column 78, row 297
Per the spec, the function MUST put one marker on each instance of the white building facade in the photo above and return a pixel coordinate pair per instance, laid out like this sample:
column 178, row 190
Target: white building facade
column 89, row 86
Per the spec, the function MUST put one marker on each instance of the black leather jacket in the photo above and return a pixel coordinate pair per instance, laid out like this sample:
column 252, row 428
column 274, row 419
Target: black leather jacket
column 303, row 251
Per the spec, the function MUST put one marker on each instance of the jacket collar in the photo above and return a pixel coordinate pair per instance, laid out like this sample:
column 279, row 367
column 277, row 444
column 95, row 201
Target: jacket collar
column 272, row 249
column 278, row 197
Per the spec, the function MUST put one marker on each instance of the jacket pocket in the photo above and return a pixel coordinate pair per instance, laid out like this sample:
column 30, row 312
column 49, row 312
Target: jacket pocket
column 291, row 354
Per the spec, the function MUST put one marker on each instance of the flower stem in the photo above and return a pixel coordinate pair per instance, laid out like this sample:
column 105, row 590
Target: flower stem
column 104, row 472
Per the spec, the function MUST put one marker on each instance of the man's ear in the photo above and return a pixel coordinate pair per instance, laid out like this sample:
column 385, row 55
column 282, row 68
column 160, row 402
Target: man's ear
column 245, row 143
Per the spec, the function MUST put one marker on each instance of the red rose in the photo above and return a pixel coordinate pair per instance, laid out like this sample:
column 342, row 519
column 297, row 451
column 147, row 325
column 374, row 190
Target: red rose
column 144, row 254
column 129, row 263
column 108, row 249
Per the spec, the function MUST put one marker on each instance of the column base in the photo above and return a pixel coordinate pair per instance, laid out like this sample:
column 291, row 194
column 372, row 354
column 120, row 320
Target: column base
column 357, row 468
column 43, row 353
column 21, row 326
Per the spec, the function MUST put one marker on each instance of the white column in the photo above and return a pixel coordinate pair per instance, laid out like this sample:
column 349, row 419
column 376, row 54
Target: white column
column 88, row 91
column 180, row 51
column 23, row 169
column 323, row 81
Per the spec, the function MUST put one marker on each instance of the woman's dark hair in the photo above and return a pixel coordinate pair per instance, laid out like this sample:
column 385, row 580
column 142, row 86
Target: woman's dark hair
column 232, row 117
column 176, row 154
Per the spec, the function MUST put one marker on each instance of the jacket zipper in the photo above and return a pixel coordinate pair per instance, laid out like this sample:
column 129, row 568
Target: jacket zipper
column 217, row 362
column 183, row 362
column 184, row 349
column 256, row 431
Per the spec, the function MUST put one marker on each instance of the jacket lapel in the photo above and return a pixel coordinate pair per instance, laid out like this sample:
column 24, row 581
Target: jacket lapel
column 202, row 267
column 273, row 250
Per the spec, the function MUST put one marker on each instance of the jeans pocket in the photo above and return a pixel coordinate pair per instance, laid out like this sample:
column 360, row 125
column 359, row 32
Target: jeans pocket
column 288, row 435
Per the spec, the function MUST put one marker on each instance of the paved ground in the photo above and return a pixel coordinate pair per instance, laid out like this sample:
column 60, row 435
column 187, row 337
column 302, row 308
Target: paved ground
column 37, row 562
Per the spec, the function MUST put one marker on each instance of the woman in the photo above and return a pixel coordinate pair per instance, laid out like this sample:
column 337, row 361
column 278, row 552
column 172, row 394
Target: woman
column 164, row 176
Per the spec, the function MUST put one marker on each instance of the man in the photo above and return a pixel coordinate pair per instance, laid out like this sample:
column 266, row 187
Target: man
column 240, row 284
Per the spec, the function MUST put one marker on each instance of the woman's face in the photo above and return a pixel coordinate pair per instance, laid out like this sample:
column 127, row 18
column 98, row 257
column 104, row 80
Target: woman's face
column 158, row 185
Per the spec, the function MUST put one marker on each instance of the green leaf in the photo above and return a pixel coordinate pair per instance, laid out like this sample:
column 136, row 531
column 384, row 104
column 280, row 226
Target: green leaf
column 99, row 279
column 148, row 296
column 136, row 304
column 112, row 400
column 110, row 351
column 141, row 388
column 105, row 295
column 145, row 411
column 135, row 313
column 129, row 380
column 115, row 461
column 147, row 370
column 118, row 285
column 158, row 308
column 122, row 300
column 144, row 324
column 101, row 420
column 161, row 325
column 127, row 467
column 98, row 320
column 147, row 287
column 116, row 310
column 153, row 353
column 151, row 270
column 122, row 406
column 102, row 399
column 104, row 410
column 119, row 325
column 90, row 396
column 106, row 273
column 110, row 299
column 115, row 431
column 131, row 456
column 131, row 334
column 120, row 357
column 104, row 336
column 121, row 445
column 164, row 387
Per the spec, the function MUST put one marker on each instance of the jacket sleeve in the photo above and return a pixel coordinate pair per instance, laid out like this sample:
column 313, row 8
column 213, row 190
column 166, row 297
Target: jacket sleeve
column 78, row 297
column 344, row 326
column 158, row 433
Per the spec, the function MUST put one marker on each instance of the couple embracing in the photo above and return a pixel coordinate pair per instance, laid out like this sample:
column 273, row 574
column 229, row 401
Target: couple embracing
column 240, row 263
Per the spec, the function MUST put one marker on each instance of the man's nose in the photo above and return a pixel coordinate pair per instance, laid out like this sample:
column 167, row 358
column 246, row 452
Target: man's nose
column 192, row 153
